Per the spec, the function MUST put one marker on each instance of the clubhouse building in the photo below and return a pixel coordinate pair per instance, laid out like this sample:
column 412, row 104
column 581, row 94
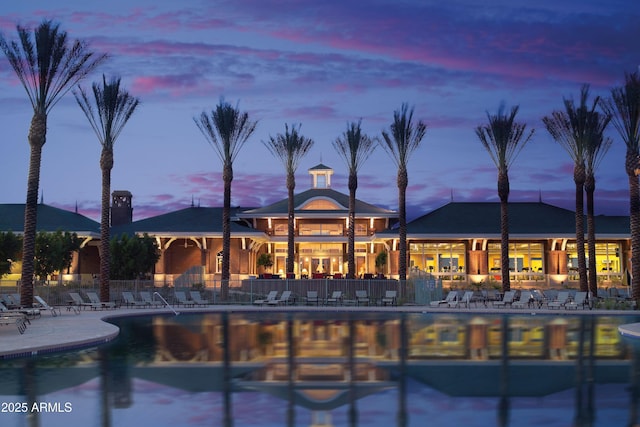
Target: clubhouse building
column 458, row 242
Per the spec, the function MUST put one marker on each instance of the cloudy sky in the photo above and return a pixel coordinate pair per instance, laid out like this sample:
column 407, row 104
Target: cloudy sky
column 322, row 65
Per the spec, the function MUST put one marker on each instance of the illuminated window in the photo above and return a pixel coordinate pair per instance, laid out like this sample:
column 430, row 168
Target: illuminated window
column 321, row 205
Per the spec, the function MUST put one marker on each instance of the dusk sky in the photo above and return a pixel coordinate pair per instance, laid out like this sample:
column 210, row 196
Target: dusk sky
column 322, row 64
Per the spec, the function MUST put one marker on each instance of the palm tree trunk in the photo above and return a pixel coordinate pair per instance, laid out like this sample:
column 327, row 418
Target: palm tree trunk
column 403, row 183
column 579, row 179
column 106, row 164
column 291, row 185
column 590, row 187
column 227, row 177
column 353, row 186
column 37, row 138
column 634, row 218
column 503, row 193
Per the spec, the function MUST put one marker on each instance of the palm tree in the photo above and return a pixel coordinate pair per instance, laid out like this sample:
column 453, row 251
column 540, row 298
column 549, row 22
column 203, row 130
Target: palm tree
column 48, row 65
column 504, row 138
column 227, row 129
column 624, row 108
column 290, row 148
column 596, row 147
column 113, row 109
column 570, row 129
column 354, row 147
column 400, row 142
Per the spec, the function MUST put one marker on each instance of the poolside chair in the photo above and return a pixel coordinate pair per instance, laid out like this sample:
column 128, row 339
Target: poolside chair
column 14, row 320
column 93, row 297
column 465, row 300
column 560, row 301
column 197, row 298
column 579, row 300
column 335, row 299
column 9, row 301
column 77, row 302
column 147, row 298
column 272, row 295
column 390, row 297
column 17, row 313
column 507, row 299
column 312, row 298
column 43, row 305
column 451, row 296
column 526, row 299
column 130, row 301
column 284, row 299
column 181, row 299
column 362, row 297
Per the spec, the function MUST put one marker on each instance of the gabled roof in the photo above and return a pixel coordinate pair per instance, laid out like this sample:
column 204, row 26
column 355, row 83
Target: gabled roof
column 191, row 220
column 320, row 167
column 473, row 219
column 48, row 219
column 280, row 209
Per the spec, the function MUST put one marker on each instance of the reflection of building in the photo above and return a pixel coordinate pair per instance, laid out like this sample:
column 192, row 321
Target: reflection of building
column 459, row 242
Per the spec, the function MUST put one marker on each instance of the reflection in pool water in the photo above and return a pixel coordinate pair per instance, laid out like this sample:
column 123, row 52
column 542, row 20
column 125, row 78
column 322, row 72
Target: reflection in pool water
column 335, row 369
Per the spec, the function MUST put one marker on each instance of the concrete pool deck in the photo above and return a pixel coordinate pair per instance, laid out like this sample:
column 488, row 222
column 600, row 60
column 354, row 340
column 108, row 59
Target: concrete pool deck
column 48, row 334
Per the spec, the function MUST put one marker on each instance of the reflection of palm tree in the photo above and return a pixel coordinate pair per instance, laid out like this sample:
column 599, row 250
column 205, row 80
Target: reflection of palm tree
column 624, row 107
column 354, row 147
column 503, row 404
column 403, row 418
column 113, row 108
column 503, row 140
column 570, row 129
column 227, row 420
column 353, row 408
column 227, row 130
column 290, row 147
column 400, row 142
column 48, row 66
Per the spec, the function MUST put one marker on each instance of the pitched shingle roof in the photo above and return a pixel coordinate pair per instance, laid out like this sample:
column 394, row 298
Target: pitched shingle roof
column 48, row 219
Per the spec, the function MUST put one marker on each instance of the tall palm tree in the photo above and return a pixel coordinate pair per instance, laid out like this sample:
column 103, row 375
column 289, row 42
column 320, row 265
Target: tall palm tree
column 354, row 147
column 596, row 147
column 48, row 65
column 624, row 108
column 402, row 139
column 226, row 129
column 290, row 148
column 504, row 138
column 113, row 109
column 570, row 129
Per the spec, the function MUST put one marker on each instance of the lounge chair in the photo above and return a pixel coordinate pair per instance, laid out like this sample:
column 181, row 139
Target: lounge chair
column 14, row 320
column 93, row 297
column 579, row 300
column 312, row 298
column 146, row 297
column 77, row 302
column 560, row 301
column 507, row 299
column 197, row 298
column 181, row 299
column 17, row 313
column 465, row 300
column 526, row 299
column 9, row 301
column 130, row 301
column 284, row 299
column 362, row 297
column 272, row 295
column 335, row 299
column 390, row 297
column 43, row 305
column 451, row 296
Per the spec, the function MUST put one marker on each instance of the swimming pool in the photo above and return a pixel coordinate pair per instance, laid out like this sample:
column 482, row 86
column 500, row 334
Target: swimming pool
column 346, row 369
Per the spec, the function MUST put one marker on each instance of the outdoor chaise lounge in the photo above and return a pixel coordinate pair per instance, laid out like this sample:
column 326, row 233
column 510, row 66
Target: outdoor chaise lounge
column 284, row 299
column 271, row 296
column 197, row 298
column 362, row 297
column 560, row 301
column 390, row 297
column 93, row 297
column 130, row 301
column 181, row 299
column 335, row 298
column 312, row 298
column 146, row 297
column 451, row 296
column 19, row 322
column 526, row 299
column 27, row 313
column 579, row 301
column 79, row 303
column 43, row 305
column 465, row 300
column 507, row 299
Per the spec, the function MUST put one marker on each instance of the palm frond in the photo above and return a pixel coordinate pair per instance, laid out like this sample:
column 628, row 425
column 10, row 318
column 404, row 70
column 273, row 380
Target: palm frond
column 624, row 108
column 403, row 137
column 354, row 146
column 289, row 147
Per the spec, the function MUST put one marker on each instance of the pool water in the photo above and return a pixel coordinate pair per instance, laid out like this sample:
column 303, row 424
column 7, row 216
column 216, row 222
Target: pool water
column 335, row 369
